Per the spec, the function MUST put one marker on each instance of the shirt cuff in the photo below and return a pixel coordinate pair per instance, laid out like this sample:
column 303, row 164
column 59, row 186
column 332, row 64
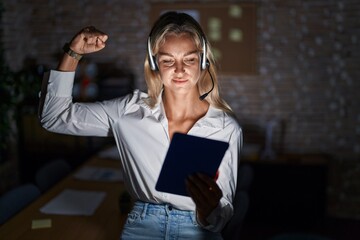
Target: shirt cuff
column 211, row 219
column 60, row 84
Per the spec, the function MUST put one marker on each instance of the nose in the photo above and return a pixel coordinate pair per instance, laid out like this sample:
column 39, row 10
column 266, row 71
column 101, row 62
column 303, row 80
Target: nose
column 179, row 67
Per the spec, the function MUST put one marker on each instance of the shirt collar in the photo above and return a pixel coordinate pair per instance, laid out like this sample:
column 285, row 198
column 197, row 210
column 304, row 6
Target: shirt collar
column 214, row 118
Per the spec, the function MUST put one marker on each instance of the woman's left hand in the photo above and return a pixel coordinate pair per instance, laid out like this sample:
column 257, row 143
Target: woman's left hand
column 205, row 193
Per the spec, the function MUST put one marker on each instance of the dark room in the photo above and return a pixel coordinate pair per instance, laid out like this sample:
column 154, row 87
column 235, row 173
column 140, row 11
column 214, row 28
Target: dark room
column 287, row 71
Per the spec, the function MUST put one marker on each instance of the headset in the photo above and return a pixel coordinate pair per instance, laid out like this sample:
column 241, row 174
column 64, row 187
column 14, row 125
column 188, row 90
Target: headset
column 204, row 62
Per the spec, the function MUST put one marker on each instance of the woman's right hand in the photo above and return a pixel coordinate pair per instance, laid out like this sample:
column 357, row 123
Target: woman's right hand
column 88, row 40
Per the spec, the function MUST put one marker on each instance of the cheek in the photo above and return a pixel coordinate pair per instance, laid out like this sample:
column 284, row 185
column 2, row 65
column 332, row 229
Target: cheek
column 164, row 75
column 167, row 73
column 195, row 72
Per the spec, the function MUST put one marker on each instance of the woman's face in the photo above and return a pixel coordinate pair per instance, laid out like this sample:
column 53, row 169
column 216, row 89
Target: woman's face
column 178, row 61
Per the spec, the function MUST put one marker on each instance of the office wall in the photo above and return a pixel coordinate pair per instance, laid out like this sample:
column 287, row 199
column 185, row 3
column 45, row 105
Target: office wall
column 307, row 81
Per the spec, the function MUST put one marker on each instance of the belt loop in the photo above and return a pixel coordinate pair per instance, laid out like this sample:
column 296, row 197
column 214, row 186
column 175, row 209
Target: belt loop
column 144, row 211
column 193, row 217
column 168, row 208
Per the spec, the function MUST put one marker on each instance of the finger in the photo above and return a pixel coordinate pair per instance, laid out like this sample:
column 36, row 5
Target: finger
column 89, row 40
column 203, row 193
column 103, row 37
column 91, row 31
column 196, row 188
column 203, row 199
column 93, row 38
column 211, row 185
column 209, row 182
column 100, row 43
column 196, row 194
column 201, row 185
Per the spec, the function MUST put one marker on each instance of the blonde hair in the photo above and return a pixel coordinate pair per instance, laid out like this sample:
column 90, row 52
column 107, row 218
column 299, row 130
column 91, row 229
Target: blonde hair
column 182, row 23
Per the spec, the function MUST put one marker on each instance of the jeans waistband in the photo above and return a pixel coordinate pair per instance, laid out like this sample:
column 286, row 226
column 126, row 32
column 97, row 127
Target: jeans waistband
column 161, row 209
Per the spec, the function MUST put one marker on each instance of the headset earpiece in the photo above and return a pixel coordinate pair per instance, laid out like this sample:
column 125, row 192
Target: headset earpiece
column 152, row 59
column 204, row 63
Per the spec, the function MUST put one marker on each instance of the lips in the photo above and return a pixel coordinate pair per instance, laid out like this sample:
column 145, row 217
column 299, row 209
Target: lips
column 179, row 80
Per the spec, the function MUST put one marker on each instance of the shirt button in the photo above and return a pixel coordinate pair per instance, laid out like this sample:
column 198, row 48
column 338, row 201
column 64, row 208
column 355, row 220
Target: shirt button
column 170, row 208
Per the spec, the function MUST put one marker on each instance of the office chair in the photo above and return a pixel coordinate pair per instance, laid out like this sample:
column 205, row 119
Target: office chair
column 51, row 173
column 12, row 201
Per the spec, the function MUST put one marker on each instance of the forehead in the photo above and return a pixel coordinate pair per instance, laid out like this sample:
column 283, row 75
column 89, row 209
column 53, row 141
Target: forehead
column 177, row 43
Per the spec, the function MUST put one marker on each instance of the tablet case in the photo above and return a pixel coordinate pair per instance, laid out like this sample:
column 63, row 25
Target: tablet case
column 187, row 155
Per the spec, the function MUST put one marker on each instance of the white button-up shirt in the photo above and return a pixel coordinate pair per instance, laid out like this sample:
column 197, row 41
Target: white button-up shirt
column 142, row 138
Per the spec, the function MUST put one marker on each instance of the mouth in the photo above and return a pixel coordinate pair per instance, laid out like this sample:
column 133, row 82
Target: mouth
column 179, row 80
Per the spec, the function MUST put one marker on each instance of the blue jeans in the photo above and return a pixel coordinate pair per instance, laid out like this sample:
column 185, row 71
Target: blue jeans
column 156, row 221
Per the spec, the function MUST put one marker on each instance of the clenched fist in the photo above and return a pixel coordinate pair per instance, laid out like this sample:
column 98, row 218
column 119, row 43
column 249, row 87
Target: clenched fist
column 88, row 40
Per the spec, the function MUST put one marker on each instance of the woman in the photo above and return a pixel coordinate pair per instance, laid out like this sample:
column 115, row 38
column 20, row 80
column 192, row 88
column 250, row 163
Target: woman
column 183, row 96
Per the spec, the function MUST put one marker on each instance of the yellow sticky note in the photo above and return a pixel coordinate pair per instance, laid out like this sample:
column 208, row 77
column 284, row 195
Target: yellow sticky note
column 41, row 223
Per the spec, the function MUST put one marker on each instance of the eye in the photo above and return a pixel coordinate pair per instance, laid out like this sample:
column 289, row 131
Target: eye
column 167, row 62
column 190, row 60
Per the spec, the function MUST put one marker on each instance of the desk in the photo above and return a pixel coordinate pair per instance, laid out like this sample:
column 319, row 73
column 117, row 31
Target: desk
column 105, row 224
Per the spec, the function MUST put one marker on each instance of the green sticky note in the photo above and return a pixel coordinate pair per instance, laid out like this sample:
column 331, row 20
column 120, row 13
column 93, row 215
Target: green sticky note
column 235, row 11
column 236, row 35
column 41, row 223
column 215, row 36
column 214, row 23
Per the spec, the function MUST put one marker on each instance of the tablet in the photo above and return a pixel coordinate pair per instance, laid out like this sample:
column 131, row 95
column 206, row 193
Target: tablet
column 188, row 155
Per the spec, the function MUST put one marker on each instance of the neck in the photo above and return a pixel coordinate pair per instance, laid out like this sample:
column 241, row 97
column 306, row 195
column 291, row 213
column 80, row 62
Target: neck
column 183, row 106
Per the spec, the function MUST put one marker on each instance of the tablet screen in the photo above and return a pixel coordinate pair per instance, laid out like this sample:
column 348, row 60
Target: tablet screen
column 188, row 155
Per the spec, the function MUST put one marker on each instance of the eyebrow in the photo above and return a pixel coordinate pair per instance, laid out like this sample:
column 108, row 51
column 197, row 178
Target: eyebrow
column 170, row 55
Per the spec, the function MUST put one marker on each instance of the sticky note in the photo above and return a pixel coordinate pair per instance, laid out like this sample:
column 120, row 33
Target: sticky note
column 214, row 29
column 214, row 23
column 235, row 11
column 41, row 223
column 236, row 35
column 215, row 36
column 217, row 53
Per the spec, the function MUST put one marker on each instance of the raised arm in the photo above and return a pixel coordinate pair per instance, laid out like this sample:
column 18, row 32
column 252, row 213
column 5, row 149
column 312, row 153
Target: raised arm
column 57, row 112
